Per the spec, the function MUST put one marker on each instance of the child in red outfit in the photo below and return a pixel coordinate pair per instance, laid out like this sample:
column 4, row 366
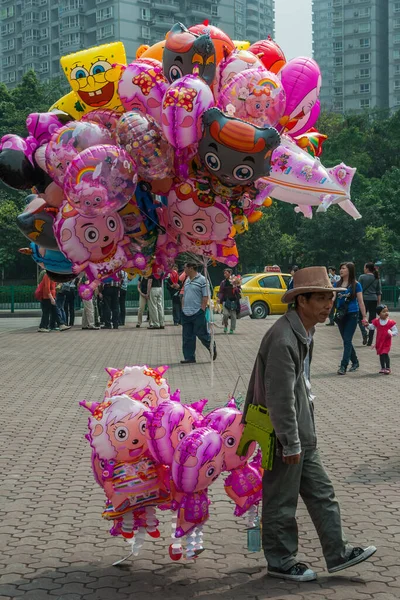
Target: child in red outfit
column 386, row 329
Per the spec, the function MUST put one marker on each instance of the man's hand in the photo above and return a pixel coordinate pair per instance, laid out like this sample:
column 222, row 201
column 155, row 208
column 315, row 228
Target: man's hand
column 292, row 460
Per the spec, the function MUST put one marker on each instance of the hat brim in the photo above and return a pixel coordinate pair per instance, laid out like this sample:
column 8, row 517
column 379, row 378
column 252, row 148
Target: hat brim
column 290, row 295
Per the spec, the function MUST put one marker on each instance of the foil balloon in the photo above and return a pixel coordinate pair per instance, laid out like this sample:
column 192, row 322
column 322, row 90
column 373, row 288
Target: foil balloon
column 231, row 65
column 270, row 54
column 102, row 116
column 307, row 122
column 301, row 79
column 197, row 463
column 311, row 142
column 95, row 245
column 68, row 141
column 100, row 179
column 222, row 42
column 142, row 87
column 36, row 222
column 155, row 51
column 254, row 95
column 132, row 380
column 51, row 260
column 186, row 53
column 142, row 138
column 237, row 153
column 42, row 126
column 184, row 103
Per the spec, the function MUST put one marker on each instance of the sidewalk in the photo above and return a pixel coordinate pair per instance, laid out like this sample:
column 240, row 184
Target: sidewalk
column 53, row 541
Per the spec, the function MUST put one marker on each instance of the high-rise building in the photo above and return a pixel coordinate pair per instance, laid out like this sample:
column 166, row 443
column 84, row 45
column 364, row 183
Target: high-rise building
column 351, row 45
column 35, row 33
column 394, row 54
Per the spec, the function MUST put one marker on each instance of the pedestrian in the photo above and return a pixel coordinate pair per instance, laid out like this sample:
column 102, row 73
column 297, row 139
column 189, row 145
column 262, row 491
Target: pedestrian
column 278, row 384
column 293, row 270
column 69, row 291
column 143, row 298
column 333, row 279
column 155, row 292
column 385, row 330
column 60, row 302
column 47, row 297
column 372, row 295
column 174, row 288
column 194, row 324
column 229, row 296
column 122, row 296
column 348, row 304
column 110, row 296
column 88, row 312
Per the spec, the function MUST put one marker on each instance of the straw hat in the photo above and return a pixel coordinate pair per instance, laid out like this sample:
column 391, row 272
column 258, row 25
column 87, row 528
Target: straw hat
column 311, row 279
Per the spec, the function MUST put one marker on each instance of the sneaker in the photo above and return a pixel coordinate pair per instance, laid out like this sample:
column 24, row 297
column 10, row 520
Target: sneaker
column 382, row 372
column 137, row 325
column 231, row 331
column 354, row 367
column 64, row 327
column 341, row 370
column 356, row 556
column 387, row 371
column 93, row 327
column 299, row 572
column 43, row 330
column 365, row 340
column 330, row 324
column 225, row 330
column 188, row 361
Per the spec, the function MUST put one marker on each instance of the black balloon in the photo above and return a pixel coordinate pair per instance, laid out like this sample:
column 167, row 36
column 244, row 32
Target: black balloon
column 60, row 277
column 36, row 223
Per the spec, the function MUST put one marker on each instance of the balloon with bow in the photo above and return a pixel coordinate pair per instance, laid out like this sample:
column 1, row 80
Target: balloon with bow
column 142, row 87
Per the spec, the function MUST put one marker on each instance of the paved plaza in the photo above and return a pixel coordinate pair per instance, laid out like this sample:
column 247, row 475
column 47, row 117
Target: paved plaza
column 53, row 541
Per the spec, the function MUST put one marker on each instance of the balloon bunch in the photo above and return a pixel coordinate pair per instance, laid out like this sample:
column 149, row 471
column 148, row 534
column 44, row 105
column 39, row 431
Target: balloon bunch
column 174, row 152
column 150, row 451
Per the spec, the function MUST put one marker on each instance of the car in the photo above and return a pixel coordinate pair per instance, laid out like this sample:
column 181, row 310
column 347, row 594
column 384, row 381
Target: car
column 265, row 291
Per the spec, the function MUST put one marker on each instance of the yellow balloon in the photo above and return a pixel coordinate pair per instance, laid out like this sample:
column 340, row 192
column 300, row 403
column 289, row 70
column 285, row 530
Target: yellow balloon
column 69, row 104
column 241, row 45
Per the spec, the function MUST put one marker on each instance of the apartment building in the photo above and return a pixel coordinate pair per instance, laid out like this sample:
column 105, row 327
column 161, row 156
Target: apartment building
column 35, row 33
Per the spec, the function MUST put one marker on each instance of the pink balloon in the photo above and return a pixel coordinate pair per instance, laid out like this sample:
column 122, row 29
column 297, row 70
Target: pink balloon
column 234, row 63
column 68, row 141
column 167, row 425
column 308, row 121
column 132, row 380
column 184, row 103
column 103, row 116
column 142, row 87
column 254, row 95
column 100, row 179
column 301, row 79
column 144, row 141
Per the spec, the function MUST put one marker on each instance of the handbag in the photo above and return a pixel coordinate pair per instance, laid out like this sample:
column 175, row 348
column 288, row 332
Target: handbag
column 245, row 307
column 230, row 304
column 341, row 312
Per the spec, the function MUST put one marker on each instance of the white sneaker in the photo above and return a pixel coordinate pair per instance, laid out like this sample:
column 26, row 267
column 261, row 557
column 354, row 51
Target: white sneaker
column 64, row 327
column 43, row 330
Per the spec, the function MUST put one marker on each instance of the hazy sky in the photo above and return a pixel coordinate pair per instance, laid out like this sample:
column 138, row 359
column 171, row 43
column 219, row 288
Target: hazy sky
column 293, row 27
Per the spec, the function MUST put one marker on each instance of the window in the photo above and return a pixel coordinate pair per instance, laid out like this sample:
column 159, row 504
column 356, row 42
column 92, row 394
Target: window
column 338, row 61
column 396, row 54
column 337, row 46
column 7, row 28
column 396, row 7
column 44, row 33
column 8, row 61
column 397, row 101
column 146, row 14
column 396, row 38
column 397, row 69
column 44, row 16
column 145, row 32
column 104, row 13
column 365, row 88
column 72, row 39
column 365, row 58
column 6, row 13
column 29, row 36
column 365, row 103
column 30, row 18
column 30, row 52
column 44, row 67
column 105, row 32
column 272, row 281
column 396, row 85
column 365, row 73
column 364, row 27
column 338, row 105
column 29, row 67
column 338, row 90
column 214, row 11
column 365, row 12
column 396, row 23
column 286, row 279
column 365, row 42
column 9, row 77
column 337, row 31
column 70, row 23
column 29, row 4
column 44, row 50
column 10, row 45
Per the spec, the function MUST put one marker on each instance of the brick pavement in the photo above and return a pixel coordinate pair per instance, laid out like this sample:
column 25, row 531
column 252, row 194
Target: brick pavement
column 53, row 542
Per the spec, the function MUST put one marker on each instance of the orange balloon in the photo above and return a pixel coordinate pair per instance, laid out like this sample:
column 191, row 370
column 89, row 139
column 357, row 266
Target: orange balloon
column 255, row 216
column 267, row 202
column 154, row 51
column 270, row 54
column 222, row 42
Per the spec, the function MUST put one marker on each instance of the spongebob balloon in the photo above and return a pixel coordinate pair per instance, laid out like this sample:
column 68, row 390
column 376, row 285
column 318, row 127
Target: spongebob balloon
column 93, row 75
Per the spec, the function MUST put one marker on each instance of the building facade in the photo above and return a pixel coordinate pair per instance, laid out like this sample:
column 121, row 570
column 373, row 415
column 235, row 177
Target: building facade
column 35, row 33
column 352, row 46
column 394, row 54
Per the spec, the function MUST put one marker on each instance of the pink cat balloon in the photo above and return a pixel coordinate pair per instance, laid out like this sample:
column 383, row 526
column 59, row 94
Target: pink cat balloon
column 132, row 380
column 142, row 87
column 301, row 79
column 197, row 463
column 93, row 244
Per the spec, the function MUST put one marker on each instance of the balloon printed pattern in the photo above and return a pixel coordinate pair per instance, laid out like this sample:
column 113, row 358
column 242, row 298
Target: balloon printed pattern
column 231, row 123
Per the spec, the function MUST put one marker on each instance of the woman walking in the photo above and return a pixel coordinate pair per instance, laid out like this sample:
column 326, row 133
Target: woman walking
column 348, row 305
column 372, row 294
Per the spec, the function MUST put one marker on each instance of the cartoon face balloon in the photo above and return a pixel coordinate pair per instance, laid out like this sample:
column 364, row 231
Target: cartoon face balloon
column 186, row 53
column 132, row 380
column 236, row 152
column 232, row 64
column 256, row 96
column 142, row 87
column 36, row 223
column 167, row 425
column 52, row 260
column 222, row 42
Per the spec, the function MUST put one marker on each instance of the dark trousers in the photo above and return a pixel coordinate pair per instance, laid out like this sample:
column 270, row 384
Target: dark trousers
column 176, row 310
column 122, row 310
column 385, row 361
column 69, row 307
column 370, row 308
column 281, row 489
column 49, row 315
column 60, row 302
column 111, row 308
column 331, row 315
column 347, row 328
column 194, row 327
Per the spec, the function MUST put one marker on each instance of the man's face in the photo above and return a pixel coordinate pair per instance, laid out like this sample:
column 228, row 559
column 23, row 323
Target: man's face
column 227, row 274
column 317, row 308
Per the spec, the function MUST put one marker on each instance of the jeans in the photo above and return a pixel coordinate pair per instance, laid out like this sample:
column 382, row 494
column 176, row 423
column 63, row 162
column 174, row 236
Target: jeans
column 370, row 308
column 347, row 328
column 122, row 310
column 111, row 309
column 60, row 301
column 69, row 307
column 176, row 310
column 194, row 326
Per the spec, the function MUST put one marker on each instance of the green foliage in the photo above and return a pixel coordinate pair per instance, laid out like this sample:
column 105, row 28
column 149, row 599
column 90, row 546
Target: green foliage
column 371, row 143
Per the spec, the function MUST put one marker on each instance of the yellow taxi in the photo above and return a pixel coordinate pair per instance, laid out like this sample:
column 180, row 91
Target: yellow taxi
column 265, row 291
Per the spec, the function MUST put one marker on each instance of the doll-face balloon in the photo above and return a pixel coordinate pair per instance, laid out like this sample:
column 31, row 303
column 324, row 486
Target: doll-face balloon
column 142, row 87
column 186, row 53
column 132, row 380
column 237, row 153
column 167, row 425
column 232, row 64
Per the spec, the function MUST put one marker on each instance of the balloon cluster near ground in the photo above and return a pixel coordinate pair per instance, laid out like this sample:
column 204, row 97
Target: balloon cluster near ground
column 175, row 152
column 153, row 452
